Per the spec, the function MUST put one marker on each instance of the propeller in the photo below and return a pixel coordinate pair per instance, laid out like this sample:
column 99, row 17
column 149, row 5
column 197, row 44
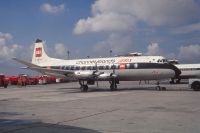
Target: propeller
column 113, row 74
column 96, row 71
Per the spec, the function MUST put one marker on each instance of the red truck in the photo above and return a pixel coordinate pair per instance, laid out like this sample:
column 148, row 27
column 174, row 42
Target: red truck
column 13, row 80
column 3, row 81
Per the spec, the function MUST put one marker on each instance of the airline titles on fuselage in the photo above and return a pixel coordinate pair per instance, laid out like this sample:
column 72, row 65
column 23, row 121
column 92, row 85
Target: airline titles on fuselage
column 103, row 61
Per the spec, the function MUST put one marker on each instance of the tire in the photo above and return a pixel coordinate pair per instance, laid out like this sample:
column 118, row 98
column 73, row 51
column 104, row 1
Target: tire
column 196, row 86
column 84, row 88
column 158, row 88
column 113, row 87
column 163, row 88
column 5, row 86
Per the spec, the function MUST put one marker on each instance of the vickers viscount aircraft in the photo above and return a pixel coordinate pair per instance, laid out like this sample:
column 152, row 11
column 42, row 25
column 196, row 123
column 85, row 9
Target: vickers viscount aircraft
column 112, row 69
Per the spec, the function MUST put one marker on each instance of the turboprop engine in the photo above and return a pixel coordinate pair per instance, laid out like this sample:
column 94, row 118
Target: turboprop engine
column 105, row 76
column 84, row 74
column 94, row 74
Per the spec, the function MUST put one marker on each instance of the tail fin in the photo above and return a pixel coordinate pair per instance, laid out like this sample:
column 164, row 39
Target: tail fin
column 39, row 55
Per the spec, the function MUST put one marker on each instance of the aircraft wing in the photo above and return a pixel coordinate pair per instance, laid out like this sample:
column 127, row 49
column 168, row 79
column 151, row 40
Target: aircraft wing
column 24, row 62
column 44, row 70
column 89, row 74
column 49, row 70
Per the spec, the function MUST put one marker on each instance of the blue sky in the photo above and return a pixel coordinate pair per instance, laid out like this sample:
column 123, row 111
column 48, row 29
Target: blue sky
column 170, row 28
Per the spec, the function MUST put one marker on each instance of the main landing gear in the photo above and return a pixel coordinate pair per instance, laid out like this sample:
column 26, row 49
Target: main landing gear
column 84, row 87
column 113, row 84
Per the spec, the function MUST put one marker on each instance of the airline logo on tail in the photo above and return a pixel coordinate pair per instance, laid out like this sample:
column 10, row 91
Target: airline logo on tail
column 38, row 52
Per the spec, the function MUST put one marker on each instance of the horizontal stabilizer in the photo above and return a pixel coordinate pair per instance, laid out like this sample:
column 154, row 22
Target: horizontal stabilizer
column 49, row 70
column 42, row 69
column 24, row 62
column 24, row 67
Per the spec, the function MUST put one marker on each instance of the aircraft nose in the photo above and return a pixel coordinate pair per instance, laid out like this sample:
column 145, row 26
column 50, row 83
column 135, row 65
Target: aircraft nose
column 176, row 70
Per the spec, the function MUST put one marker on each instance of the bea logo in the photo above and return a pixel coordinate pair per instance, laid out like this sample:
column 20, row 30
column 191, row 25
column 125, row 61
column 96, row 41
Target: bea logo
column 38, row 52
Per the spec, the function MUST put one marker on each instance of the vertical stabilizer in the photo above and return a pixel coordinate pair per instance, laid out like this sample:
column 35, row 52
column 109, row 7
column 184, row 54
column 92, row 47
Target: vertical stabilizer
column 39, row 55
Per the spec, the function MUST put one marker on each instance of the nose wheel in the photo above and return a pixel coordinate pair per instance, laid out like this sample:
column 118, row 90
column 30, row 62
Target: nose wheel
column 159, row 88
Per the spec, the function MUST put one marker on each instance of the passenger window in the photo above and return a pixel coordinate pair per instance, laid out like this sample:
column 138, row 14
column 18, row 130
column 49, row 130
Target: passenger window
column 89, row 68
column 63, row 67
column 83, row 68
column 66, row 68
column 135, row 65
column 94, row 67
column 127, row 66
column 72, row 67
column 100, row 67
column 107, row 67
column 77, row 68
column 112, row 67
column 116, row 66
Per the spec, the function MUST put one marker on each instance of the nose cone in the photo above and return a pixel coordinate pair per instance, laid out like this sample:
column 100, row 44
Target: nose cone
column 176, row 70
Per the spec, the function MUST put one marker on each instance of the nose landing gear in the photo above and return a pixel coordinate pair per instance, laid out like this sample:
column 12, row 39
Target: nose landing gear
column 159, row 88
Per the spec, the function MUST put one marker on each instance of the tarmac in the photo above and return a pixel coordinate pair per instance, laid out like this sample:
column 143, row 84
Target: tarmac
column 133, row 108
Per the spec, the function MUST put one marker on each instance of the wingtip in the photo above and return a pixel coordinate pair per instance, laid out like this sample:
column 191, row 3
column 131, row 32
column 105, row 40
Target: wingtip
column 14, row 58
column 24, row 67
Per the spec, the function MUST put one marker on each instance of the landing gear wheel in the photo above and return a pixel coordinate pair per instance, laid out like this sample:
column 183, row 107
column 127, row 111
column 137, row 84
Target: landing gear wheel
column 178, row 81
column 5, row 86
column 84, row 88
column 158, row 88
column 113, row 87
column 196, row 86
column 163, row 88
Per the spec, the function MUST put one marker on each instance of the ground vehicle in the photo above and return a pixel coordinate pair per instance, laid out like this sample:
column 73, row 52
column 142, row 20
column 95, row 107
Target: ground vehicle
column 13, row 80
column 195, row 84
column 32, row 81
column 3, row 81
column 22, row 80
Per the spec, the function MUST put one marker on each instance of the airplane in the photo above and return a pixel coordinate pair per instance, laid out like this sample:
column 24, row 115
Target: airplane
column 112, row 69
column 187, row 71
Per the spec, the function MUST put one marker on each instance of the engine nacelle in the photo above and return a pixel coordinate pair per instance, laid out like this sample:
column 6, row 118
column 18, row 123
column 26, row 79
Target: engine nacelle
column 105, row 76
column 84, row 74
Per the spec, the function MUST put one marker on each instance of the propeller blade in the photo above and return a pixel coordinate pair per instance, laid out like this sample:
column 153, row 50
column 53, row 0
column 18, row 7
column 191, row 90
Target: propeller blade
column 97, row 71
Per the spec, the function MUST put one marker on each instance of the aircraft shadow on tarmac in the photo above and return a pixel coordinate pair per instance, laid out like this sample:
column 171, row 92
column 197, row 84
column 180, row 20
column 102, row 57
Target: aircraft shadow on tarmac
column 105, row 89
column 31, row 126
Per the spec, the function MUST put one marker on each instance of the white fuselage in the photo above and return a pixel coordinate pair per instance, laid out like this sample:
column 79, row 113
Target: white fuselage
column 127, row 68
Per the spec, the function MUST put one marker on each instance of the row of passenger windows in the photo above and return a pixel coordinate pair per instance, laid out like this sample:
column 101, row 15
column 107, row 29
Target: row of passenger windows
column 189, row 69
column 107, row 67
